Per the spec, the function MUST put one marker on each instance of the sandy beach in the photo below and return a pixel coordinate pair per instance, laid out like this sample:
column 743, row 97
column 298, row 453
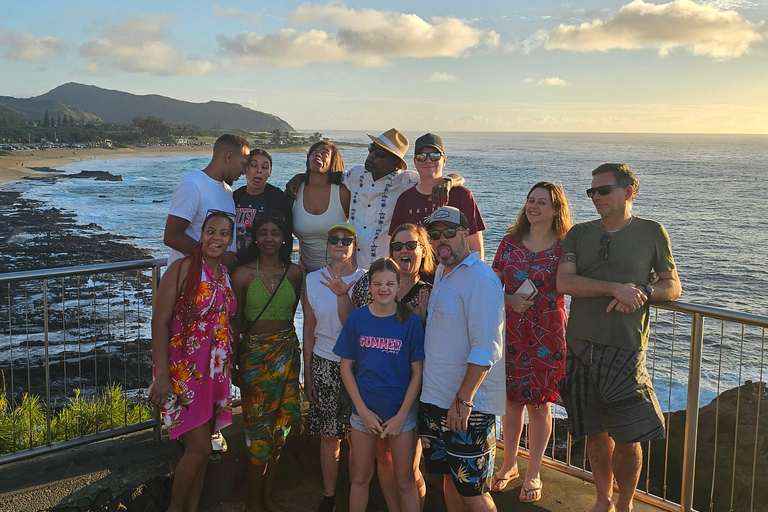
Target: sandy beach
column 21, row 164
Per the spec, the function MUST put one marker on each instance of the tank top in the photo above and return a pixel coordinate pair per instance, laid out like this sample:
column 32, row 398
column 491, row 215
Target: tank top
column 312, row 230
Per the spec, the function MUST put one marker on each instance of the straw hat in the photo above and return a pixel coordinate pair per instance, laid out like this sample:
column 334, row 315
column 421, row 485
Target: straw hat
column 394, row 142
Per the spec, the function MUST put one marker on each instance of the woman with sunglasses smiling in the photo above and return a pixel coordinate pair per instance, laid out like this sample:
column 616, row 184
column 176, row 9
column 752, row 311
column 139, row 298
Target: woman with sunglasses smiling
column 322, row 377
column 535, row 329
column 268, row 287
column 191, row 353
column 321, row 201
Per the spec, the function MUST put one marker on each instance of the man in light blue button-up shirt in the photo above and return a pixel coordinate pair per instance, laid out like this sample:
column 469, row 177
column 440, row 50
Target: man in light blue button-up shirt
column 464, row 379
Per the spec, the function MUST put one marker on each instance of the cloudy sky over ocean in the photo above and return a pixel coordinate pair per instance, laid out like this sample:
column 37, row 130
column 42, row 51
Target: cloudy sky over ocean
column 488, row 65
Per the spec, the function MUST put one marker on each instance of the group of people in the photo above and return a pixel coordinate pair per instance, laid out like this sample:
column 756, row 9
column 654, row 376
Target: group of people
column 403, row 316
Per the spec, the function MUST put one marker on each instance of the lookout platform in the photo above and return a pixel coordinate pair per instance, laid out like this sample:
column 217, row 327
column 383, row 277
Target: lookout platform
column 133, row 473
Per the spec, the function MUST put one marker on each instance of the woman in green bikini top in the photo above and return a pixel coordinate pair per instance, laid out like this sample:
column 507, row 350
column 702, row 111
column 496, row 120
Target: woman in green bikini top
column 268, row 287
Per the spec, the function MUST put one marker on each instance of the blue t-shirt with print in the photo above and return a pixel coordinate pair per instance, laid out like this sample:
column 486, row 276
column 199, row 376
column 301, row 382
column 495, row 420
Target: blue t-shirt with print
column 383, row 350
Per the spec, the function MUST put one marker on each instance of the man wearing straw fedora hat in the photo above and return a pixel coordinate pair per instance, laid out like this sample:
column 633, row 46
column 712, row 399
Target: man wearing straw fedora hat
column 375, row 188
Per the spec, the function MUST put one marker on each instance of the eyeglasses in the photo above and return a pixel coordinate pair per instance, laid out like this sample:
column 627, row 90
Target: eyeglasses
column 603, row 190
column 271, row 216
column 603, row 252
column 378, row 151
column 422, row 157
column 411, row 245
column 219, row 213
column 345, row 241
column 448, row 233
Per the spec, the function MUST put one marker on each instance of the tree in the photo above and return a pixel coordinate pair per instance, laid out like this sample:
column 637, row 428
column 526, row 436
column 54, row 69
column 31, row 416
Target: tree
column 275, row 137
column 316, row 137
column 58, row 120
column 46, row 119
column 153, row 127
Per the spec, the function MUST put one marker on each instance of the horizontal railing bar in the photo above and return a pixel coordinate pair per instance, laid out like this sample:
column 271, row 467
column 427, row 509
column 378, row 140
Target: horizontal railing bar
column 50, row 273
column 76, row 441
column 711, row 312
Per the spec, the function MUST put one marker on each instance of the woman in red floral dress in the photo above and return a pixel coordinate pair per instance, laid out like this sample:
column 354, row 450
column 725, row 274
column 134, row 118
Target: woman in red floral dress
column 535, row 332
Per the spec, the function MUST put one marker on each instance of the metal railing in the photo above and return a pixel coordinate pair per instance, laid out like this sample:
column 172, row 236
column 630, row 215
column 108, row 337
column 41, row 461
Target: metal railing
column 75, row 331
column 695, row 351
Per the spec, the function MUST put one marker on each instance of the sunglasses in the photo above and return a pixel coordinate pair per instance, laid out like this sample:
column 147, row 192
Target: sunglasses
column 219, row 213
column 411, row 245
column 378, row 151
column 422, row 157
column 273, row 216
column 603, row 190
column 603, row 251
column 448, row 233
column 345, row 241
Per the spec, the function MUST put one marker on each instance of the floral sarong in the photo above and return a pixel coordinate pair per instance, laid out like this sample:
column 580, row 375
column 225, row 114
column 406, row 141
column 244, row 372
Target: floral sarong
column 269, row 367
column 199, row 363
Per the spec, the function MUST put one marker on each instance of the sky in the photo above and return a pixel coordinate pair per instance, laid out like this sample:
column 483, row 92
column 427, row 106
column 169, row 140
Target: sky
column 645, row 66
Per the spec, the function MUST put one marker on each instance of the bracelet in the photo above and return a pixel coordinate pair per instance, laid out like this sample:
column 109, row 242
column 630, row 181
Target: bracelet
column 464, row 402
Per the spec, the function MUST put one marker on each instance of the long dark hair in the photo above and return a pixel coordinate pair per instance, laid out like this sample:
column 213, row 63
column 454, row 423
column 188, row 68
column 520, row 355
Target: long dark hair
column 195, row 274
column 278, row 219
column 384, row 264
column 337, row 163
column 561, row 222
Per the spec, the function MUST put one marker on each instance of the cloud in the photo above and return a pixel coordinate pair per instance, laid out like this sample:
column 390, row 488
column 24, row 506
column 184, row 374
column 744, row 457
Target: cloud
column 441, row 77
column 24, row 47
column 680, row 24
column 555, row 81
column 528, row 80
column 365, row 37
column 139, row 45
column 234, row 12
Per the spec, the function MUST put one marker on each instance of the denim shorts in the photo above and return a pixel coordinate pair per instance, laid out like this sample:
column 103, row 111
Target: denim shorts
column 409, row 424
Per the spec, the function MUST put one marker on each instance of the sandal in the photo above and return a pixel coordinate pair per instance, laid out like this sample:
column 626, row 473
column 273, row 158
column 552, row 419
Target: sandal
column 524, row 491
column 498, row 483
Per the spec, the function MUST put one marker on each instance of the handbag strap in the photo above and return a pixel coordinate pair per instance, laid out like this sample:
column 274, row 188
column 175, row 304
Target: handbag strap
column 272, row 296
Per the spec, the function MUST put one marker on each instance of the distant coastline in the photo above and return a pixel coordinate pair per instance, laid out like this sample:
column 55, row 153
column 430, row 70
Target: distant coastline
column 22, row 164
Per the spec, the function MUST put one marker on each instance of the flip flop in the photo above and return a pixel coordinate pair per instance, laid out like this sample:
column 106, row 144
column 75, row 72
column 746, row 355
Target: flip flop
column 524, row 492
column 499, row 484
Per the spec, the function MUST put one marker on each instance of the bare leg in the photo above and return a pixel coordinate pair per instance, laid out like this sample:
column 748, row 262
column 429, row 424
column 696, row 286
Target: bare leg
column 403, row 449
column 627, row 462
column 197, row 449
column 267, row 493
column 421, row 484
column 192, row 503
column 539, row 429
column 330, row 450
column 386, row 474
column 455, row 502
column 600, row 447
column 512, row 422
column 256, row 484
column 363, row 456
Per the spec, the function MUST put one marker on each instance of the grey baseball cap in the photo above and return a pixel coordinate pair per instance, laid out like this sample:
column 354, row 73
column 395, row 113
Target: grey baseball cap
column 450, row 216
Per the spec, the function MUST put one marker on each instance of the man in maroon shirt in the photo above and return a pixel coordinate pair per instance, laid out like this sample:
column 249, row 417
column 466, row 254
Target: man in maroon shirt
column 415, row 206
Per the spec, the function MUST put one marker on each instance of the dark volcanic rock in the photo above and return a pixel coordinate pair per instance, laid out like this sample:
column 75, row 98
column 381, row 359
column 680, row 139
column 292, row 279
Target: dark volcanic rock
column 96, row 175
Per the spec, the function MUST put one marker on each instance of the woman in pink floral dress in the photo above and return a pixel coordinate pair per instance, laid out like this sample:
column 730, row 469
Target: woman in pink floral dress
column 191, row 351
column 535, row 329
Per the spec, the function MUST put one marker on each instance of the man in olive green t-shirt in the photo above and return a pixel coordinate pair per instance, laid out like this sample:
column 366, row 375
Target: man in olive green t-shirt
column 607, row 392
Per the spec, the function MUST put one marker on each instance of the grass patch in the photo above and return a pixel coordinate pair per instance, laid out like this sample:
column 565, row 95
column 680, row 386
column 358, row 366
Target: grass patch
column 24, row 426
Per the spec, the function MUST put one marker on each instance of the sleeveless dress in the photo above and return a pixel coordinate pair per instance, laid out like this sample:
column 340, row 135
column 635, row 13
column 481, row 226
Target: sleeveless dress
column 535, row 339
column 199, row 364
column 312, row 230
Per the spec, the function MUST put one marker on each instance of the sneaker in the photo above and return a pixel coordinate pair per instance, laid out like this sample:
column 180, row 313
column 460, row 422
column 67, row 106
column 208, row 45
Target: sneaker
column 328, row 504
column 218, row 442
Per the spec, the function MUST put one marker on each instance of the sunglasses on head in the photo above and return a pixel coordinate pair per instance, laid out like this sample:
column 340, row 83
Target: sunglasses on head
column 345, row 241
column 434, row 234
column 219, row 213
column 433, row 156
column 378, row 151
column 602, row 190
column 411, row 245
column 273, row 216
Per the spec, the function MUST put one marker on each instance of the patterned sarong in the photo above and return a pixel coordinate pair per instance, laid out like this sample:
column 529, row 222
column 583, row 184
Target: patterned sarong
column 269, row 383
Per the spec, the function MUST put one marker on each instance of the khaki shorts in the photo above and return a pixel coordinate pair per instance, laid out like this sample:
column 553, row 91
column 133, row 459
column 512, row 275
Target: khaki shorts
column 607, row 389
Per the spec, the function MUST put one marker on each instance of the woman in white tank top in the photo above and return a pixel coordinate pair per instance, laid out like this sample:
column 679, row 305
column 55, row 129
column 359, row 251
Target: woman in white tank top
column 312, row 215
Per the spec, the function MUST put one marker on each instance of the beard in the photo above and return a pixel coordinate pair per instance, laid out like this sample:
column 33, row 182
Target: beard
column 455, row 256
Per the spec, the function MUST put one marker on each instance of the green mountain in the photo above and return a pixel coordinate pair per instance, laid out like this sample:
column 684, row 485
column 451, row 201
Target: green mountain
column 121, row 107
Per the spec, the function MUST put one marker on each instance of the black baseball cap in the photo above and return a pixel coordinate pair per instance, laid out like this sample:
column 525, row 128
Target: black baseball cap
column 429, row 139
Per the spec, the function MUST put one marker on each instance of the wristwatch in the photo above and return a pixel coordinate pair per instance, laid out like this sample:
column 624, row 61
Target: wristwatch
column 648, row 290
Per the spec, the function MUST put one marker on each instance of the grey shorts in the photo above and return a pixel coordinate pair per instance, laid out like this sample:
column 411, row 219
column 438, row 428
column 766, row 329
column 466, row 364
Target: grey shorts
column 410, row 420
column 607, row 389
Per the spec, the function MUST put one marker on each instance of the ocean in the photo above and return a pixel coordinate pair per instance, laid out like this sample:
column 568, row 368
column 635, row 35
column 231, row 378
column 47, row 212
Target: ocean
column 709, row 191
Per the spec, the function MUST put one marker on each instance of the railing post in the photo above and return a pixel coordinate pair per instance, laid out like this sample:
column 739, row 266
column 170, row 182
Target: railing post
column 692, row 413
column 158, row 428
column 47, row 365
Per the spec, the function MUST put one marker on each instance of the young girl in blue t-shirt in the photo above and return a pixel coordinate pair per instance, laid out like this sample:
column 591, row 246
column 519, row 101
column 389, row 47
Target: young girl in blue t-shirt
column 386, row 344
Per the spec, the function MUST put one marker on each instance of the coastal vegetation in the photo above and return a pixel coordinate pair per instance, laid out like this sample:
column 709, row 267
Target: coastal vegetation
column 23, row 425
